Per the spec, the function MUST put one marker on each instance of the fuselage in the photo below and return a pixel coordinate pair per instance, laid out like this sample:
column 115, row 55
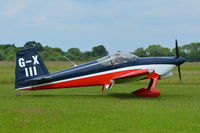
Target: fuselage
column 98, row 72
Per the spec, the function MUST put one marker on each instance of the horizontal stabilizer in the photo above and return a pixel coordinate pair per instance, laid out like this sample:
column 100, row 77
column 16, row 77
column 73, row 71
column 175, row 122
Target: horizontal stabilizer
column 42, row 79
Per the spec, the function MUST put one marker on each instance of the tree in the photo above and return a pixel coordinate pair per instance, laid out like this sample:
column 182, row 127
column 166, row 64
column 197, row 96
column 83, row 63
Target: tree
column 190, row 51
column 52, row 54
column 74, row 54
column 86, row 56
column 140, row 52
column 99, row 51
column 1, row 57
column 31, row 44
column 8, row 52
column 157, row 50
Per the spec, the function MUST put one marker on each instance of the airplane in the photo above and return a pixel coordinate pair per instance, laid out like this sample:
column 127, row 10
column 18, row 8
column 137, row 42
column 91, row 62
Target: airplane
column 32, row 74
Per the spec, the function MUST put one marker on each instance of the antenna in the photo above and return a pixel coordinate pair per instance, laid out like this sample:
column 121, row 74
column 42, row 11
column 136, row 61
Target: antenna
column 70, row 61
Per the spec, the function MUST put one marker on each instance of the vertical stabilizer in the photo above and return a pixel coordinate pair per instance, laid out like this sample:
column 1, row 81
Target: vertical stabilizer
column 29, row 65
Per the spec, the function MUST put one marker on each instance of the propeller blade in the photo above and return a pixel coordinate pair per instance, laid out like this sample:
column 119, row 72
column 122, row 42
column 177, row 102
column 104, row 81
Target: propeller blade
column 177, row 57
column 179, row 71
column 177, row 51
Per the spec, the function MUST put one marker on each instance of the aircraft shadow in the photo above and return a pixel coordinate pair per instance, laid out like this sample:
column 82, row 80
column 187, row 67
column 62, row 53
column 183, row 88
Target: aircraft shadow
column 108, row 95
column 121, row 96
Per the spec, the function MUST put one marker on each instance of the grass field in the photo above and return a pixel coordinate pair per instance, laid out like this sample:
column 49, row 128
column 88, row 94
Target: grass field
column 88, row 110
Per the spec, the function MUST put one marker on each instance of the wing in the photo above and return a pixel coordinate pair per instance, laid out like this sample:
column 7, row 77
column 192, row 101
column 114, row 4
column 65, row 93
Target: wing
column 134, row 73
column 126, row 74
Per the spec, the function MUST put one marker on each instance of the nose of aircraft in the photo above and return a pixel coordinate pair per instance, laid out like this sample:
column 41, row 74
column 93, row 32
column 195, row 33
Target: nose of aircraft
column 180, row 60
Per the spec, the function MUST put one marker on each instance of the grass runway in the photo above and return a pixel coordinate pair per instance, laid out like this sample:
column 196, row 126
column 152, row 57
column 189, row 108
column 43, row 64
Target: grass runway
column 88, row 110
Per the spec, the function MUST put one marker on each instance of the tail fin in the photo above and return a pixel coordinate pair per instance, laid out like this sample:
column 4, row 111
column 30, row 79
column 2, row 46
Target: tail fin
column 29, row 65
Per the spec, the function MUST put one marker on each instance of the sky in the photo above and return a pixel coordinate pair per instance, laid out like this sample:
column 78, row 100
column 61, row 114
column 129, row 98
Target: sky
column 117, row 24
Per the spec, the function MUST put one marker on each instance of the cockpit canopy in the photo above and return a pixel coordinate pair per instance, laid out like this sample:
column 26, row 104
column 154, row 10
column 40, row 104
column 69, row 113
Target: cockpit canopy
column 118, row 58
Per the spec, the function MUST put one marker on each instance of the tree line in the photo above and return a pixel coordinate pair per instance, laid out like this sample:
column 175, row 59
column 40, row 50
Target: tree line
column 8, row 51
column 191, row 52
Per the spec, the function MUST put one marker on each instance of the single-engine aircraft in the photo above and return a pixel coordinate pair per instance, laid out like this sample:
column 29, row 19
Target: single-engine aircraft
column 32, row 74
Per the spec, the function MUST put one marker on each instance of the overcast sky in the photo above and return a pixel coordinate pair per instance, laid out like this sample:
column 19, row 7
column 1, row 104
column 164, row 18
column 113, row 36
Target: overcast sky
column 117, row 24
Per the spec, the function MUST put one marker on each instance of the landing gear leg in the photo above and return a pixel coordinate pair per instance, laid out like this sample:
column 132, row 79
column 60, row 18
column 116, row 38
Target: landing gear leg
column 151, row 90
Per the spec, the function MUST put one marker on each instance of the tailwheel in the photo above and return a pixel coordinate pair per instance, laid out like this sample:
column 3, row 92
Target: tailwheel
column 151, row 90
column 17, row 94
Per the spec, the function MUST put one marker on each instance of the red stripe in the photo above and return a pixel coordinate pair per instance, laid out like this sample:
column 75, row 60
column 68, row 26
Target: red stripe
column 90, row 81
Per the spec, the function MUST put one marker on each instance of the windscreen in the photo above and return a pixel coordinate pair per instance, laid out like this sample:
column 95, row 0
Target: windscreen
column 118, row 58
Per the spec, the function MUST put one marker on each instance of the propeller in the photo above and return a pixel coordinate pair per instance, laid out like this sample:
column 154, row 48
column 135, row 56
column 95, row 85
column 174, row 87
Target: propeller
column 177, row 57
